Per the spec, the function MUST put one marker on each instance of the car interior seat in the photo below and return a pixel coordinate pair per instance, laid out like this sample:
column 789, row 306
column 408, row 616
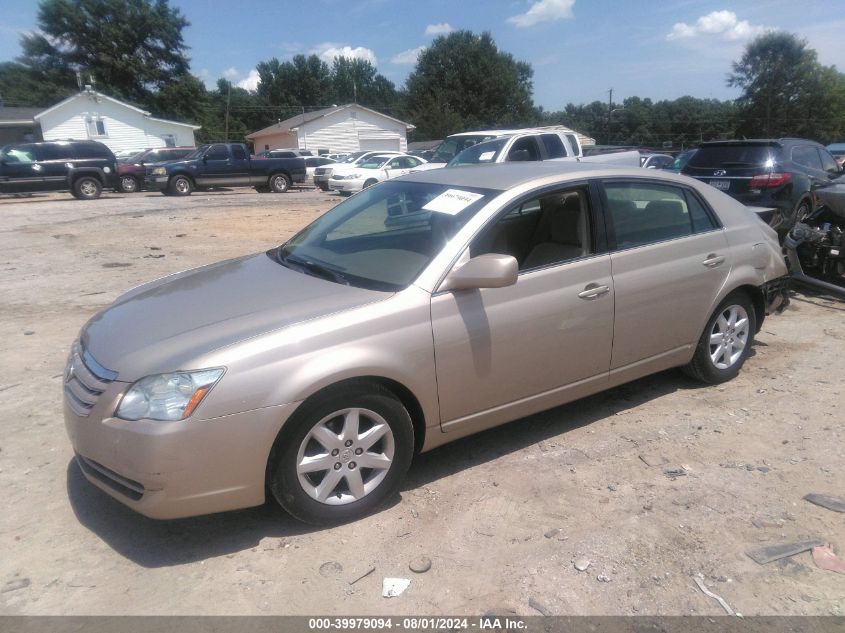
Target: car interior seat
column 562, row 232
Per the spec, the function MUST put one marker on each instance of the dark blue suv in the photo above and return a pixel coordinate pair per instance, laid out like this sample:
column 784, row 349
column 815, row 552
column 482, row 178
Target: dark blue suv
column 778, row 174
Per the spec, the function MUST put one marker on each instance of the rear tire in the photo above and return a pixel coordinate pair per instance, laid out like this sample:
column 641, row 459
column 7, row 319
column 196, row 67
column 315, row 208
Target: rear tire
column 87, row 188
column 180, row 186
column 726, row 341
column 326, row 467
column 279, row 183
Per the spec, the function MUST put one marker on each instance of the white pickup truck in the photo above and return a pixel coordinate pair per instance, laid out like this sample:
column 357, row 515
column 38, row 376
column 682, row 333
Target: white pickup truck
column 502, row 146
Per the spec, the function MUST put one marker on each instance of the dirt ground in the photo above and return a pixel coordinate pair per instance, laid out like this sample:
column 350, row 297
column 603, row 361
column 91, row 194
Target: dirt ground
column 502, row 515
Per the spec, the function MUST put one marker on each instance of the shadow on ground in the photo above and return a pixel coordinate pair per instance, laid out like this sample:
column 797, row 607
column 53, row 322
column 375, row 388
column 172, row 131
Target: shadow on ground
column 152, row 543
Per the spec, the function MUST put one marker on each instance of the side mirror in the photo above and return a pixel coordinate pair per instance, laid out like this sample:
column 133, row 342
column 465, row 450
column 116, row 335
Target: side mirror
column 205, row 158
column 490, row 270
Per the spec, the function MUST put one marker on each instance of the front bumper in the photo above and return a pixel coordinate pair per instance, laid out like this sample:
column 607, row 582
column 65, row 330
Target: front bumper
column 169, row 470
column 156, row 183
column 351, row 186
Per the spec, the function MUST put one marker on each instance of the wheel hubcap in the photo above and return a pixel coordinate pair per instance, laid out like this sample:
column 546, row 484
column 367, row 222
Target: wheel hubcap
column 729, row 337
column 345, row 456
column 128, row 184
column 280, row 183
column 181, row 185
column 88, row 188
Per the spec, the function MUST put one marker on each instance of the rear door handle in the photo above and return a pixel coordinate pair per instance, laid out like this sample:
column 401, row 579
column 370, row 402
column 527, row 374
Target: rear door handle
column 593, row 291
column 714, row 260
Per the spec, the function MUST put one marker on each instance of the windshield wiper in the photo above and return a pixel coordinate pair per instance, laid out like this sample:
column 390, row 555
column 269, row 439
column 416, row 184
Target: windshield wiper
column 315, row 269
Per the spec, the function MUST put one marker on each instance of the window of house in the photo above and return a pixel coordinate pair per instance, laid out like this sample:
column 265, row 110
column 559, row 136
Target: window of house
column 169, row 140
column 96, row 127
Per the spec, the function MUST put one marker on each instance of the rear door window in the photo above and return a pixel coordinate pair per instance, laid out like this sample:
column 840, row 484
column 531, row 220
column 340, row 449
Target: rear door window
column 829, row 163
column 524, row 149
column 644, row 213
column 238, row 152
column 554, row 146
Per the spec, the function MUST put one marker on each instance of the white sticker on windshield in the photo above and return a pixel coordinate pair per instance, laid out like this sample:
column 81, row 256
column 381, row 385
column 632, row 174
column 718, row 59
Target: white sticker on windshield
column 452, row 201
column 486, row 156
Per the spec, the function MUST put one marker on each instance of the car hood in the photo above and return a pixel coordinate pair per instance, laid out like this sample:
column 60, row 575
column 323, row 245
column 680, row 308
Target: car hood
column 167, row 324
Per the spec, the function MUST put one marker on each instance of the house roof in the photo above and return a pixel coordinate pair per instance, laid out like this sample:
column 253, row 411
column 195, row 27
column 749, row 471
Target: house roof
column 99, row 96
column 306, row 117
column 14, row 116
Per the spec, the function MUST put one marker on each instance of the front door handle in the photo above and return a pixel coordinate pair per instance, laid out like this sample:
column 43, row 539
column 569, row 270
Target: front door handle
column 714, row 260
column 593, row 291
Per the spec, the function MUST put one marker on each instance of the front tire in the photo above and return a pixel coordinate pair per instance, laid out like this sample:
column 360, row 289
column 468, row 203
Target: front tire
column 726, row 341
column 87, row 188
column 342, row 455
column 180, row 186
column 279, row 183
column 128, row 184
column 370, row 183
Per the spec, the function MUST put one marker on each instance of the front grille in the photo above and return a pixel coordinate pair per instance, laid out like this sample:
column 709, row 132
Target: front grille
column 85, row 380
column 322, row 171
column 125, row 486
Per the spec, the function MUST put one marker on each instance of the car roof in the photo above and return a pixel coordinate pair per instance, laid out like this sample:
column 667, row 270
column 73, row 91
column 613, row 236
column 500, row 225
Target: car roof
column 504, row 176
column 774, row 142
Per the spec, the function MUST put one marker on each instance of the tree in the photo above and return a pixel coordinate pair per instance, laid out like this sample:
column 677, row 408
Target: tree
column 20, row 86
column 303, row 81
column 786, row 91
column 131, row 48
column 462, row 81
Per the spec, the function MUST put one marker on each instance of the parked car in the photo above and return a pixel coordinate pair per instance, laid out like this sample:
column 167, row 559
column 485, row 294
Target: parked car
column 349, row 179
column 680, row 160
column 322, row 175
column 225, row 165
column 532, row 146
column 419, row 311
column 313, row 162
column 837, row 150
column 84, row 168
column 656, row 161
column 132, row 171
column 778, row 174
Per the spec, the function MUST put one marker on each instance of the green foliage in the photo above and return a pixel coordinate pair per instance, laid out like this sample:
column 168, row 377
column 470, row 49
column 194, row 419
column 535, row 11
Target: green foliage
column 786, row 91
column 680, row 122
column 463, row 82
column 20, row 86
column 131, row 48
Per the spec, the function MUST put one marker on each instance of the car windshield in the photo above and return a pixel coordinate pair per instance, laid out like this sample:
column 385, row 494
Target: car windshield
column 453, row 146
column 486, row 152
column 202, row 149
column 353, row 157
column 132, row 158
column 383, row 237
column 374, row 162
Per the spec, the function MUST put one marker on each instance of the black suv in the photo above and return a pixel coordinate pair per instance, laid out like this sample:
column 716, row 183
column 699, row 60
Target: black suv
column 781, row 174
column 83, row 167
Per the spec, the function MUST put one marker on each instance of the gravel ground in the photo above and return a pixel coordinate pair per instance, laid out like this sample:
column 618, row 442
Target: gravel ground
column 503, row 516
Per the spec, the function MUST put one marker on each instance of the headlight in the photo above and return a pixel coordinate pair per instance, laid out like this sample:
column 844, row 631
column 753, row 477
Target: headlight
column 353, row 176
column 167, row 397
column 159, row 171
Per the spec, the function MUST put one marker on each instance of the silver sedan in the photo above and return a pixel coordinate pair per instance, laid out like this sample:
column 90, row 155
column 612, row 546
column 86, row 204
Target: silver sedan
column 421, row 310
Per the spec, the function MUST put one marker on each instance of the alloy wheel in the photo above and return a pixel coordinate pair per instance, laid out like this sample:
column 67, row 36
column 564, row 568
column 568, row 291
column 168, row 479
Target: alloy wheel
column 345, row 456
column 729, row 336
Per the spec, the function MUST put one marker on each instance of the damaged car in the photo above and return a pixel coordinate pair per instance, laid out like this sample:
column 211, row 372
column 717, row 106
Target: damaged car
column 421, row 310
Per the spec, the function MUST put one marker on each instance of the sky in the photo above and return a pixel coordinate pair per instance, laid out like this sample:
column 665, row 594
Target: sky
column 579, row 49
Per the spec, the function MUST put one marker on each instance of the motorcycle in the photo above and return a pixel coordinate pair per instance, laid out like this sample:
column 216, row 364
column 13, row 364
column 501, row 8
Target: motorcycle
column 815, row 246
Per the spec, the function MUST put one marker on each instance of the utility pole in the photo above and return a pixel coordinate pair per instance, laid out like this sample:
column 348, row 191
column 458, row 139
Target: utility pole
column 609, row 112
column 228, row 98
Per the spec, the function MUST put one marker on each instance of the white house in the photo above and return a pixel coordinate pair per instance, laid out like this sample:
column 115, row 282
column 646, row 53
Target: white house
column 346, row 128
column 93, row 115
